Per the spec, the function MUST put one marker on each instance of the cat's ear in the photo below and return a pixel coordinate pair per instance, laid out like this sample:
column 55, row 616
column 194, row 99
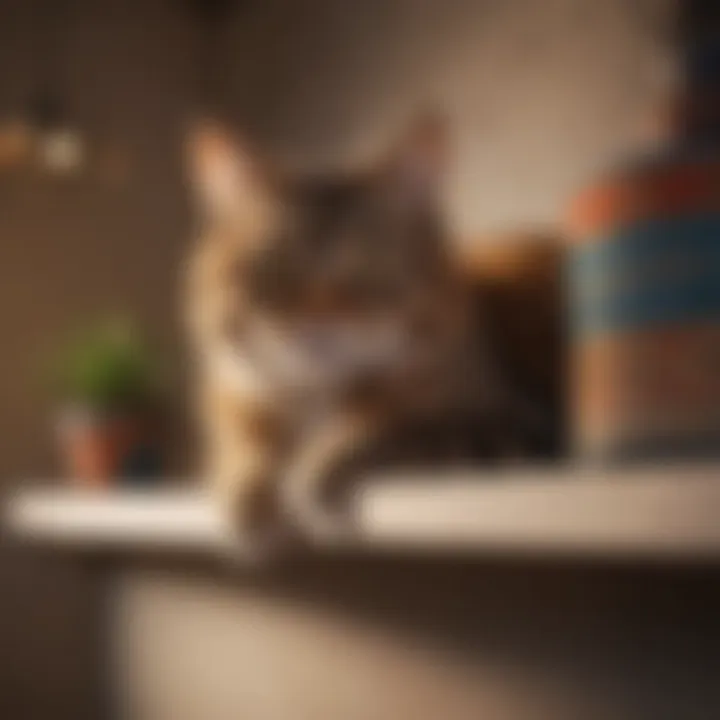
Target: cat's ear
column 223, row 172
column 418, row 162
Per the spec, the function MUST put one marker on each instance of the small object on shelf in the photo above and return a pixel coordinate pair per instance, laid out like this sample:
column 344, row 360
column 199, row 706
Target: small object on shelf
column 644, row 276
column 99, row 447
column 108, row 424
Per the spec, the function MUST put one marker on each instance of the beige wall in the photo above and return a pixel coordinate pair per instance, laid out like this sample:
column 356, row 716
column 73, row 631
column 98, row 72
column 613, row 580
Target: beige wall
column 539, row 95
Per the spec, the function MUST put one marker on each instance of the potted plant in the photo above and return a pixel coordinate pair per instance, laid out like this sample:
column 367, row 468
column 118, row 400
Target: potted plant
column 106, row 387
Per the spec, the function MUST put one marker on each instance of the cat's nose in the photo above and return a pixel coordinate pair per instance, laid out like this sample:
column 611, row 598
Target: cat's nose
column 322, row 302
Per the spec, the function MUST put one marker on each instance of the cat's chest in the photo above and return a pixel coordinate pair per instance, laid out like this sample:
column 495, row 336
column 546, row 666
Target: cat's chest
column 314, row 362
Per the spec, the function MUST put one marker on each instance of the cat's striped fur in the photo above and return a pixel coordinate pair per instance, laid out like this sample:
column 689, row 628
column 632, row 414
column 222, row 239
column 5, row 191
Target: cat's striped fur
column 332, row 327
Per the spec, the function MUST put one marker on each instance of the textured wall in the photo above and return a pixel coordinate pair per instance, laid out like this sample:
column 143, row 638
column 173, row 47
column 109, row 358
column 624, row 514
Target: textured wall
column 70, row 250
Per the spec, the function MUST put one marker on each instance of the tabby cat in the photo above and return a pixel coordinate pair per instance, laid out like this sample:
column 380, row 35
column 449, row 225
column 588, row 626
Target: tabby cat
column 332, row 329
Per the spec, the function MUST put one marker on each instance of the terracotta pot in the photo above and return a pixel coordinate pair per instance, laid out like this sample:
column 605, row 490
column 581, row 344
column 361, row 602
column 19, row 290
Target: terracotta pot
column 101, row 448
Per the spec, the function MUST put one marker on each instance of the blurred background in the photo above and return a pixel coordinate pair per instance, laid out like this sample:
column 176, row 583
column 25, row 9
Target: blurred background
column 539, row 98
column 95, row 219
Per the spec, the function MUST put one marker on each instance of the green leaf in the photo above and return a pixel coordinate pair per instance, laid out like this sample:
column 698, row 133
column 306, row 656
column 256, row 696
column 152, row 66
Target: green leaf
column 108, row 366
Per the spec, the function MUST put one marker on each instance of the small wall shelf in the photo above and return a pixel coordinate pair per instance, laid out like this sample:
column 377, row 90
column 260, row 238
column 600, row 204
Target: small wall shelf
column 669, row 512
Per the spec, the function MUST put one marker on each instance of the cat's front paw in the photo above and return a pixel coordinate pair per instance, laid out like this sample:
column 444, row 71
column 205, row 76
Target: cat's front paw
column 253, row 520
column 318, row 499
column 319, row 481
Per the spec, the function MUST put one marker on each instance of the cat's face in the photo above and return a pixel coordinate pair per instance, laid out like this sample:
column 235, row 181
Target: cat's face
column 343, row 248
column 339, row 260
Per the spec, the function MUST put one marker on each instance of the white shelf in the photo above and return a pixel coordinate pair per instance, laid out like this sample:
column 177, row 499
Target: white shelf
column 180, row 519
column 639, row 512
column 666, row 512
